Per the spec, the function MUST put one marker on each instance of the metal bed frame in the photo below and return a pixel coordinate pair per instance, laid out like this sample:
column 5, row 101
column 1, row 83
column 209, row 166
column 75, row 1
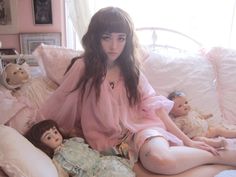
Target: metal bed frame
column 157, row 38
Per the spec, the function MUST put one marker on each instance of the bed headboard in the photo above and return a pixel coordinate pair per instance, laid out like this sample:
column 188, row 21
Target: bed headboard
column 156, row 38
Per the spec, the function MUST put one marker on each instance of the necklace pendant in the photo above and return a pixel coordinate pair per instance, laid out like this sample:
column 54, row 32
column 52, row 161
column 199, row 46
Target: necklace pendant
column 112, row 84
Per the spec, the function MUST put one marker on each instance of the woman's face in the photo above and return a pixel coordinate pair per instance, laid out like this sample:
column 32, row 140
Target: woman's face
column 52, row 138
column 113, row 45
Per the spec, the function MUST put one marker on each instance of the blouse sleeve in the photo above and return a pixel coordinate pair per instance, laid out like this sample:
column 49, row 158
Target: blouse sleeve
column 150, row 100
column 63, row 103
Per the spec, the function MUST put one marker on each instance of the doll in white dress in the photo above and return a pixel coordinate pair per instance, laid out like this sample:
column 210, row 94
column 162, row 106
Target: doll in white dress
column 36, row 90
column 195, row 124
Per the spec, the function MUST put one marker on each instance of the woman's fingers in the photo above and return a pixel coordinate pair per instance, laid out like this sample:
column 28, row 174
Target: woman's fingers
column 204, row 146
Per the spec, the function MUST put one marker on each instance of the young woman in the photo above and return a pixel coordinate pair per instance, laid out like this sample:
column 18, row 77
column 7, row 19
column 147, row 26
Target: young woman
column 74, row 156
column 108, row 99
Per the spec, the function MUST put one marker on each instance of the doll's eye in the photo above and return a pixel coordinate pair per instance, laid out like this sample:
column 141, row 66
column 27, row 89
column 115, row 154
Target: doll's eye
column 56, row 132
column 49, row 137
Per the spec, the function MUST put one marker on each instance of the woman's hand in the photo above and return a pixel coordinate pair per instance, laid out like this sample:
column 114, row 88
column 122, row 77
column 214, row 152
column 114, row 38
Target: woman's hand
column 171, row 127
column 202, row 145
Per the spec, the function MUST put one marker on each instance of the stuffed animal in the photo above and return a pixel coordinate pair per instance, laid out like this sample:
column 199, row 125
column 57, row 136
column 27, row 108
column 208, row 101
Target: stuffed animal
column 17, row 78
column 14, row 76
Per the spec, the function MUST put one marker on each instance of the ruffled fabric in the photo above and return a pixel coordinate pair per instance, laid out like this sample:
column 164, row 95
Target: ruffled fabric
column 78, row 159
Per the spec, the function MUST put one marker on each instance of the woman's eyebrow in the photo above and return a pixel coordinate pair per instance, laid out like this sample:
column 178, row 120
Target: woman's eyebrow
column 122, row 34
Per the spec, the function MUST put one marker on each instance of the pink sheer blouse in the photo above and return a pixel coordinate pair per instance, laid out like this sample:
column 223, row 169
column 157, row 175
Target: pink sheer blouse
column 101, row 120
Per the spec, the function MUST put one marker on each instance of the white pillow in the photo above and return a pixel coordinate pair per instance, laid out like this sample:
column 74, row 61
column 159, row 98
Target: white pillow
column 19, row 158
column 54, row 60
column 191, row 73
column 224, row 62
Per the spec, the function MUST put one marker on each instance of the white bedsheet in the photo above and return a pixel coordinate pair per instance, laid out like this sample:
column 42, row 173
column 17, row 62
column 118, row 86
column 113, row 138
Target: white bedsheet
column 227, row 173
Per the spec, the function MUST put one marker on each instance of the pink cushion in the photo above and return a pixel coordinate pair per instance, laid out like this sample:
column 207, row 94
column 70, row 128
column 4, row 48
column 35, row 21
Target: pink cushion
column 54, row 60
column 224, row 62
column 191, row 73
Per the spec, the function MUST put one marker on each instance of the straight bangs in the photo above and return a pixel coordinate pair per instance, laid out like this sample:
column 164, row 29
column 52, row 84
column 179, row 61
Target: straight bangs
column 40, row 128
column 114, row 22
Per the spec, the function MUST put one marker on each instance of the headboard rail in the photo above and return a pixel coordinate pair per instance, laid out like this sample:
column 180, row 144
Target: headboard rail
column 156, row 38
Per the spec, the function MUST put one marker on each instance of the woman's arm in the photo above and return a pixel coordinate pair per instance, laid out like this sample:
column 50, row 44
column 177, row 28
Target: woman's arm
column 172, row 128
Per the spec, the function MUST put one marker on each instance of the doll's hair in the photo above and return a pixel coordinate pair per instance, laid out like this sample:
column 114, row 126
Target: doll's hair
column 35, row 133
column 175, row 94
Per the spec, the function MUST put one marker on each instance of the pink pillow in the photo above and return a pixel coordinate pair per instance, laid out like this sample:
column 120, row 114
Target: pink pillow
column 188, row 72
column 224, row 62
column 54, row 60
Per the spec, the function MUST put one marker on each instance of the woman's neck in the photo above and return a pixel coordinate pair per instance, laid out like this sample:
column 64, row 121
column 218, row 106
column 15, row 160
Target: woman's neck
column 111, row 65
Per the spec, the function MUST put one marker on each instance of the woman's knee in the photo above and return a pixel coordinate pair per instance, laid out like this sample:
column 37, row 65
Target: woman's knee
column 158, row 162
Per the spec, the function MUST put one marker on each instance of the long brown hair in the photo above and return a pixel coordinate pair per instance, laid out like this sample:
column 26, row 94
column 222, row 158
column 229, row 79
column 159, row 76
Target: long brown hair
column 35, row 133
column 108, row 20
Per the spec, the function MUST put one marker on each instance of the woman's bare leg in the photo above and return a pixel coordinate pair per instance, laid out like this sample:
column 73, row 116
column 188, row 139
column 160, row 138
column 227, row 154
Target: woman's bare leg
column 157, row 156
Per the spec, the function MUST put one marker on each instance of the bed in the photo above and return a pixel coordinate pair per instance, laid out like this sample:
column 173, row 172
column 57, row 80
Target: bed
column 176, row 63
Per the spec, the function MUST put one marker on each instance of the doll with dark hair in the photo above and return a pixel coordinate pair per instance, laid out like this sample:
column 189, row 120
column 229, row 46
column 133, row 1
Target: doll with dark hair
column 74, row 155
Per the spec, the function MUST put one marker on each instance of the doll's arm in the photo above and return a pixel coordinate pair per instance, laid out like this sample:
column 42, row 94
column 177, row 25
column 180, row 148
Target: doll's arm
column 68, row 167
column 61, row 172
column 207, row 116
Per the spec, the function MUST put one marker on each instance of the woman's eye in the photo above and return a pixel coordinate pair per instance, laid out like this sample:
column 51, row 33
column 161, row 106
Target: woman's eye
column 14, row 73
column 105, row 38
column 180, row 106
column 122, row 39
column 20, row 69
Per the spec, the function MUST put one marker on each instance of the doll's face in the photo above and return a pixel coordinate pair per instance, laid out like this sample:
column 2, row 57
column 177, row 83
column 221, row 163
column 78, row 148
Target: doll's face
column 52, row 138
column 181, row 106
column 16, row 74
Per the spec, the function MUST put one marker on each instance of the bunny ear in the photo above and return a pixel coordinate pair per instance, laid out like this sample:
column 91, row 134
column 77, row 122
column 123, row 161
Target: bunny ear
column 1, row 65
column 20, row 59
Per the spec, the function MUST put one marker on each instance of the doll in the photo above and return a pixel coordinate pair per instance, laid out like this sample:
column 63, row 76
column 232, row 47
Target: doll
column 74, row 155
column 16, row 78
column 195, row 124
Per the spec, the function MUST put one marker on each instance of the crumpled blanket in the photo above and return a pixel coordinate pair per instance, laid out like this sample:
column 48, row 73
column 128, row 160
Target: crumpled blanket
column 16, row 112
column 9, row 105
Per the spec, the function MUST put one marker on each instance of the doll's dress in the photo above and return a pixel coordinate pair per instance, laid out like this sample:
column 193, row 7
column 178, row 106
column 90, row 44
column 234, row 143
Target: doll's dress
column 81, row 161
column 192, row 124
column 36, row 90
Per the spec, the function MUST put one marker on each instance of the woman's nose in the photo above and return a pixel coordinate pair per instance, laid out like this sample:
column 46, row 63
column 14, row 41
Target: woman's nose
column 113, row 44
